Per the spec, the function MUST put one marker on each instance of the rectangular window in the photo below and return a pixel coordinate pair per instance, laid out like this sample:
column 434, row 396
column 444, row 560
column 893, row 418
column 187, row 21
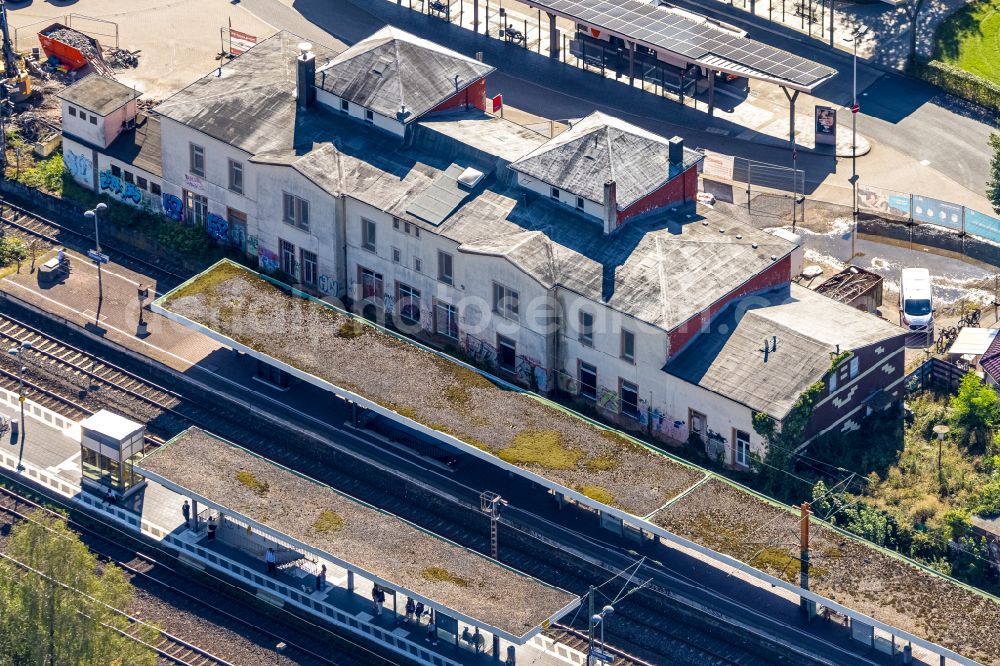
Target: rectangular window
column 116, row 171
column 855, row 366
column 154, row 189
column 396, row 255
column 554, row 192
column 409, row 303
column 418, row 265
column 237, row 228
column 141, row 182
column 446, row 320
column 93, row 120
column 196, row 206
column 368, row 235
column 505, row 301
column 445, row 268
column 588, row 381
column 296, row 211
column 287, row 252
column 833, row 380
column 395, row 223
column 697, row 422
column 345, row 106
column 629, row 393
column 197, row 160
column 310, row 268
column 236, row 176
column 506, row 354
column 369, row 116
column 371, row 284
column 586, row 332
column 129, row 177
column 742, row 453
column 628, row 346
column 72, row 111
column 579, row 203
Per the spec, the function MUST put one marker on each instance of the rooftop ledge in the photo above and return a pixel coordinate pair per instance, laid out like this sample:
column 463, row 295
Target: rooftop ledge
column 594, row 465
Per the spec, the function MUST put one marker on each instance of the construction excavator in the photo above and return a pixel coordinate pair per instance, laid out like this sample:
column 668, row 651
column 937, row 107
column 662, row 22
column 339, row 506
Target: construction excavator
column 16, row 84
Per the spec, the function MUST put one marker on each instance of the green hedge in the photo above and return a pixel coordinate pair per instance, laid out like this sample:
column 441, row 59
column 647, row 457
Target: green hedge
column 961, row 83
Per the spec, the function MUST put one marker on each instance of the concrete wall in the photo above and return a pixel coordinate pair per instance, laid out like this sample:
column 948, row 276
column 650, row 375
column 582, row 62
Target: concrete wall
column 332, row 102
column 92, row 133
column 592, row 208
column 92, row 169
column 473, row 96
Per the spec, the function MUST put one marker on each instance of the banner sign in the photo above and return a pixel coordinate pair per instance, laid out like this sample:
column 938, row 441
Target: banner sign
column 718, row 165
column 240, row 42
column 982, row 225
column 935, row 211
column 497, row 103
column 885, row 202
column 826, row 126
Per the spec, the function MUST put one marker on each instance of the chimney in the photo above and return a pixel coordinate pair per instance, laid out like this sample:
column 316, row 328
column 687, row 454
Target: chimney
column 676, row 150
column 305, row 79
column 610, row 206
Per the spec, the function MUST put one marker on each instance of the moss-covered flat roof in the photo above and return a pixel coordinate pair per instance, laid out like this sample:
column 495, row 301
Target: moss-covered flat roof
column 418, row 384
column 380, row 543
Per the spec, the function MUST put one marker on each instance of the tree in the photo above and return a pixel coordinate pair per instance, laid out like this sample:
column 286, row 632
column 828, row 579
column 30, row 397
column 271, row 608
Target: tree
column 993, row 187
column 975, row 410
column 55, row 613
column 913, row 14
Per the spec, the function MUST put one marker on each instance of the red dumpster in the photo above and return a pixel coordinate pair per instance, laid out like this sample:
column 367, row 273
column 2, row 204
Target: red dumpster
column 72, row 48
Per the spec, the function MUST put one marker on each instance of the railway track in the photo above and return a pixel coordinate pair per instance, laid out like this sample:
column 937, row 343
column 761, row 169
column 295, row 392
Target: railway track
column 215, row 609
column 648, row 630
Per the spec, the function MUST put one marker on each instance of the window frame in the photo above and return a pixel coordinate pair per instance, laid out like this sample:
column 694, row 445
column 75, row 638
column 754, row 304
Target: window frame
column 412, row 296
column 72, row 110
column 397, row 255
column 155, row 189
column 502, row 342
column 737, row 448
column 451, row 315
column 445, row 259
column 623, row 353
column 286, row 255
column 369, row 116
column 196, row 154
column 590, row 369
column 634, row 389
column 234, row 168
column 503, row 298
column 585, row 331
column 580, row 203
column 345, row 106
column 310, row 275
column 854, row 367
column 369, row 235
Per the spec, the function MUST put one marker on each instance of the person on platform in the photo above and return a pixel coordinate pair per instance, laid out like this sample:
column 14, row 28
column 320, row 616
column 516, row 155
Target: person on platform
column 375, row 598
column 379, row 600
column 186, row 512
column 418, row 611
column 272, row 568
column 432, row 632
column 410, row 608
column 212, row 526
column 321, row 579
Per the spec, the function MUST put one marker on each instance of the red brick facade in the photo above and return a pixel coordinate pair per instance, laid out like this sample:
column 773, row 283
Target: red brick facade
column 472, row 96
column 775, row 275
column 677, row 190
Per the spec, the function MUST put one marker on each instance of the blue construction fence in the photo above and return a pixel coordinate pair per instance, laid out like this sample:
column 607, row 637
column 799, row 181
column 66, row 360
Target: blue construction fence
column 928, row 210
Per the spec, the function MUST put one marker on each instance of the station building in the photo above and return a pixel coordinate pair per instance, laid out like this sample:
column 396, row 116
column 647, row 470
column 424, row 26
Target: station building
column 573, row 264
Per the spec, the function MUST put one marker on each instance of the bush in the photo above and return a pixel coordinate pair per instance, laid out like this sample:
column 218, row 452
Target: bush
column 961, row 83
column 957, row 523
column 986, row 500
column 46, row 175
column 12, row 250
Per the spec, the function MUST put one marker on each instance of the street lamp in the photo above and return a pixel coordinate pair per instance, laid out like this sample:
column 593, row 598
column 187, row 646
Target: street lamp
column 595, row 620
column 95, row 214
column 16, row 352
column 855, row 108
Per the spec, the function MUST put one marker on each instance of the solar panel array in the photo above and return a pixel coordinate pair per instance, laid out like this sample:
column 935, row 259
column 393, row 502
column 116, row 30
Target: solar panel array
column 665, row 30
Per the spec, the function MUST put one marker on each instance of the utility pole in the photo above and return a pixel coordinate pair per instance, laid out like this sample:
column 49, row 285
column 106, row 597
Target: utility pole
column 490, row 503
column 806, row 605
column 17, row 352
column 855, row 109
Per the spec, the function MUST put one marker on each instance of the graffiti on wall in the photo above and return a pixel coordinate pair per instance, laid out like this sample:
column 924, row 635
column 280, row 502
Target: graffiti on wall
column 268, row 260
column 112, row 184
column 193, row 182
column 327, row 284
column 218, row 227
column 79, row 166
column 252, row 244
column 607, row 399
column 172, row 207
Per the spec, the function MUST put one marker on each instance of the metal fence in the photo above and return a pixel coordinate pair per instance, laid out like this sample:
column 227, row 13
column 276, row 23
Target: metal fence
column 928, row 210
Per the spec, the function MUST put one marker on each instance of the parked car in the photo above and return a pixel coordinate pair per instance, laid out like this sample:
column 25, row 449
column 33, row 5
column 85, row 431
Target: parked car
column 916, row 304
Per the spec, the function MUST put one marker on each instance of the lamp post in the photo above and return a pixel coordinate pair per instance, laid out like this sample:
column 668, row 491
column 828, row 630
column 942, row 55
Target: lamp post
column 95, row 214
column 855, row 108
column 16, row 351
column 941, row 430
column 595, row 620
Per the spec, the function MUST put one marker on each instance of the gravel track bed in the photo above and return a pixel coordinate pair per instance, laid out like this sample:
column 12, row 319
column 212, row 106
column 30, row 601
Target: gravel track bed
column 859, row 577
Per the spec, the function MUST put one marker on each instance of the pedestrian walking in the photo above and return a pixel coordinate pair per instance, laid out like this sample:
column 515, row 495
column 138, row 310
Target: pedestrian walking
column 418, row 611
column 380, row 600
column 432, row 632
column 212, row 526
column 272, row 568
column 321, row 579
column 410, row 608
column 186, row 511
column 375, row 598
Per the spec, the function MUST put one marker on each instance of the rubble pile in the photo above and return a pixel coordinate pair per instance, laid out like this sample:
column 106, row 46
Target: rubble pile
column 78, row 41
column 122, row 58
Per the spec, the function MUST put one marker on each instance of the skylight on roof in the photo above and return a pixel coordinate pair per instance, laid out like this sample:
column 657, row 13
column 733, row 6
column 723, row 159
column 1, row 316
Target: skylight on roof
column 470, row 177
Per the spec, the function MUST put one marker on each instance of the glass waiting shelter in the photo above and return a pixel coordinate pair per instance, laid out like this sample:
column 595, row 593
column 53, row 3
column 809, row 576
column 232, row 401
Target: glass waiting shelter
column 110, row 444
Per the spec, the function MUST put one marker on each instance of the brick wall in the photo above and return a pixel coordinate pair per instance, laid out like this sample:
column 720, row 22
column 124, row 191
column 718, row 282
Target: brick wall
column 473, row 96
column 777, row 274
column 675, row 191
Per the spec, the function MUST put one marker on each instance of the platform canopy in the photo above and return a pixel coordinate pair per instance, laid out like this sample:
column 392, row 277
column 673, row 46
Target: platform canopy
column 696, row 41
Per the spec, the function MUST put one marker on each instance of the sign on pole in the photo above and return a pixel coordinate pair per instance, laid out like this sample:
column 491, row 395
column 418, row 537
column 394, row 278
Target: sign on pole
column 98, row 257
column 826, row 126
column 497, row 103
column 240, row 42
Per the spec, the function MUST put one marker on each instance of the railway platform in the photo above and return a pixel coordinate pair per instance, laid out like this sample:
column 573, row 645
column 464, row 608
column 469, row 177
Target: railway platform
column 51, row 460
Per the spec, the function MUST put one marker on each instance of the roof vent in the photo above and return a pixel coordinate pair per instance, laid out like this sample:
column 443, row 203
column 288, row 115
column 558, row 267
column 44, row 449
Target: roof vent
column 753, row 245
column 304, row 48
column 470, row 177
column 739, row 236
column 722, row 231
column 704, row 223
column 774, row 258
column 381, row 66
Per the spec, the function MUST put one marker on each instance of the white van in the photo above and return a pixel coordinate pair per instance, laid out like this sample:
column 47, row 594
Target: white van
column 916, row 306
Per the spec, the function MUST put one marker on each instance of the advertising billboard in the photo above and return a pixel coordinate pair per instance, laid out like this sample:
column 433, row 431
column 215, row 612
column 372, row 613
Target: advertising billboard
column 982, row 225
column 935, row 211
column 826, row 126
column 883, row 202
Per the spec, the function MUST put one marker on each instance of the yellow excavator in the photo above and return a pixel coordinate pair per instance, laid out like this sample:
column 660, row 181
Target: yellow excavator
column 17, row 84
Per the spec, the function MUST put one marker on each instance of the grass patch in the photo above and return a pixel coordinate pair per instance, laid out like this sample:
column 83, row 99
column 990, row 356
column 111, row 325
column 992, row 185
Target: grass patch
column 210, row 281
column 456, row 395
column 544, row 448
column 351, row 329
column 255, row 485
column 597, row 493
column 463, row 376
column 778, row 561
column 602, row 463
column 442, row 575
column 328, row 521
column 970, row 39
column 403, row 410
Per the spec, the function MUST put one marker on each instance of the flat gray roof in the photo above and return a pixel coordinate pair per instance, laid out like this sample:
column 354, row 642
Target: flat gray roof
column 140, row 146
column 344, row 530
column 701, row 42
column 98, row 94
